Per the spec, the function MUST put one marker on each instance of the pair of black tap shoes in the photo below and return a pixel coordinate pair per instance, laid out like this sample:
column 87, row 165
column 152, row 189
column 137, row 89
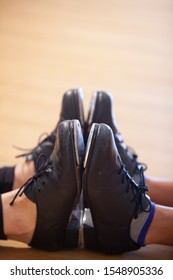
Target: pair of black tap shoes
column 100, row 111
column 81, row 175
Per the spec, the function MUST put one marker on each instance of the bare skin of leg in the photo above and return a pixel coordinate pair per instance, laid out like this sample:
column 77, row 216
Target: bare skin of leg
column 19, row 219
column 160, row 190
column 22, row 172
column 161, row 228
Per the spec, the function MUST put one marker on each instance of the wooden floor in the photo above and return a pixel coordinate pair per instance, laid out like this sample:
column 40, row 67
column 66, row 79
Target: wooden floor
column 124, row 47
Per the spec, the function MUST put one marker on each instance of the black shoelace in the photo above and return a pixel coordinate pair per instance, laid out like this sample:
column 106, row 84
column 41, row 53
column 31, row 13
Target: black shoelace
column 138, row 191
column 130, row 151
column 44, row 168
column 48, row 138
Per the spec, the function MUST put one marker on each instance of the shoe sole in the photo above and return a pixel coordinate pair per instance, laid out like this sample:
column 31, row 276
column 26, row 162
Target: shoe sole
column 73, row 236
column 92, row 108
column 88, row 231
column 90, row 144
column 78, row 159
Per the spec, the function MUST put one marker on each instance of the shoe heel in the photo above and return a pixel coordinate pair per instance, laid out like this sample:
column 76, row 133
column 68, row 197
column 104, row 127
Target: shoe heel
column 72, row 238
column 72, row 232
column 89, row 232
column 78, row 142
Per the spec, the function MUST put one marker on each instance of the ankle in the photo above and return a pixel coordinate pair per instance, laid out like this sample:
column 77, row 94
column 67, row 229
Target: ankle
column 20, row 218
column 161, row 229
column 139, row 226
column 22, row 173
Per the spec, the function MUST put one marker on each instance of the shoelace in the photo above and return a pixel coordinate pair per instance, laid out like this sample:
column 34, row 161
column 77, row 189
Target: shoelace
column 44, row 168
column 41, row 141
column 131, row 151
column 138, row 191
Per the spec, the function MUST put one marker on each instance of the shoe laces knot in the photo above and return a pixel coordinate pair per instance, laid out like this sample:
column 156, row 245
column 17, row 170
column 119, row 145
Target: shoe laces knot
column 142, row 200
column 44, row 166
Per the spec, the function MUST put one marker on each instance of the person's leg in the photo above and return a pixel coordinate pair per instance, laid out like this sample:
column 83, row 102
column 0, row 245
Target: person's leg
column 160, row 190
column 18, row 221
column 22, row 172
column 13, row 177
column 6, row 178
column 161, row 228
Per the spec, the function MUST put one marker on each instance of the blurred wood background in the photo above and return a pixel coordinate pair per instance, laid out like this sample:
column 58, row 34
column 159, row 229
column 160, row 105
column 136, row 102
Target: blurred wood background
column 124, row 47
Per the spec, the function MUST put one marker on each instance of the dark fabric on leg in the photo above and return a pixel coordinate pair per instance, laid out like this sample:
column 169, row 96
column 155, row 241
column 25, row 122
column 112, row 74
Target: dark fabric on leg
column 6, row 178
column 2, row 235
